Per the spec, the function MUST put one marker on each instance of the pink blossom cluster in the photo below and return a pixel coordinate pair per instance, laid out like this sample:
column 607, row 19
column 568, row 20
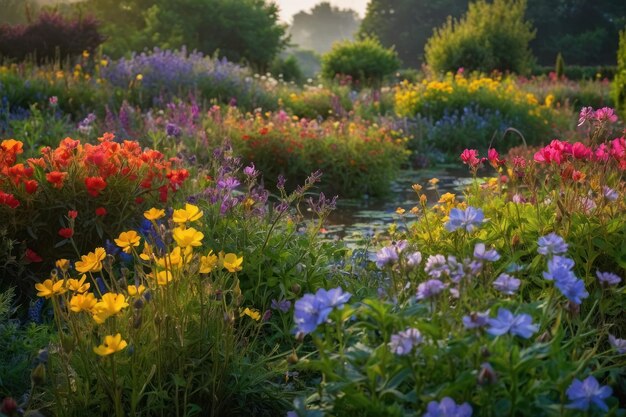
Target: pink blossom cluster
column 559, row 151
column 605, row 114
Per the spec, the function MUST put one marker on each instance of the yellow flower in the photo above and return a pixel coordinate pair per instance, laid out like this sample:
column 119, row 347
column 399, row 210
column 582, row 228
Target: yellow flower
column 433, row 181
column 415, row 210
column 447, row 198
column 154, row 213
column 190, row 213
column 231, row 262
column 62, row 264
column 400, row 211
column 147, row 253
column 128, row 240
column 207, row 263
column 417, row 188
column 252, row 313
column 78, row 286
column 49, row 288
column 188, row 237
column 92, row 262
column 110, row 305
column 135, row 291
column 173, row 260
column 139, row 77
column 164, row 277
column 82, row 302
column 111, row 344
column 85, row 54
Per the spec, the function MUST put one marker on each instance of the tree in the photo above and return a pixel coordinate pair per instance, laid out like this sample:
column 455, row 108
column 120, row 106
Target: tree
column 243, row 31
column 406, row 25
column 322, row 26
column 490, row 36
column 15, row 11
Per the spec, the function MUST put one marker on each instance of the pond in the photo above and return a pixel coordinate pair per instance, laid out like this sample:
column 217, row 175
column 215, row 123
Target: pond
column 355, row 218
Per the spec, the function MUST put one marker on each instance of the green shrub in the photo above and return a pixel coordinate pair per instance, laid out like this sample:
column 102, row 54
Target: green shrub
column 287, row 69
column 490, row 36
column 619, row 83
column 560, row 66
column 365, row 62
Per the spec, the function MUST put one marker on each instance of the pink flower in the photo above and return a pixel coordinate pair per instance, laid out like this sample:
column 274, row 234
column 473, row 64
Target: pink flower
column 470, row 157
column 602, row 153
column 494, row 158
column 586, row 114
column 580, row 151
column 606, row 114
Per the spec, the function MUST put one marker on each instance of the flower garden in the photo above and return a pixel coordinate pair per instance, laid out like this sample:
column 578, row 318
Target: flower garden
column 162, row 248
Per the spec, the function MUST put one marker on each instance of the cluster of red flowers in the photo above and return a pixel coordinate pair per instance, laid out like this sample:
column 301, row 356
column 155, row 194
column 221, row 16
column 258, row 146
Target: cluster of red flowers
column 560, row 151
column 90, row 165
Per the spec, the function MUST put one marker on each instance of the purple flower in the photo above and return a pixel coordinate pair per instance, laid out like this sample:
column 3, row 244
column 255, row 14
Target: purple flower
column 429, row 289
column 460, row 270
column 467, row 219
column 609, row 193
column 481, row 253
column 281, row 305
column 573, row 289
column 507, row 322
column 551, row 244
column 608, row 278
column 586, row 114
column 476, row 320
column 584, row 393
column 506, row 284
column 172, row 130
column 448, row 408
column 313, row 309
column 559, row 269
column 389, row 254
column 281, row 182
column 402, row 343
column 436, row 265
column 250, row 171
column 229, row 183
column 618, row 344
column 414, row 259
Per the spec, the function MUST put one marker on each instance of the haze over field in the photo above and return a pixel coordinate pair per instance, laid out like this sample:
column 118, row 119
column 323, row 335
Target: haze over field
column 290, row 7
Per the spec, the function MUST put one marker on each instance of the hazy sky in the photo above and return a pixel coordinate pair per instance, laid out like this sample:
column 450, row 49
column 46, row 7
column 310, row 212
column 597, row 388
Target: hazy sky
column 290, row 7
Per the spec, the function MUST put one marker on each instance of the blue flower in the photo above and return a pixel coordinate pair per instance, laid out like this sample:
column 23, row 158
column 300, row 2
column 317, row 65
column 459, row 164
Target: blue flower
column 551, row 244
column 584, row 393
column 476, row 320
column 402, row 343
column 448, row 408
column 481, row 253
column 559, row 269
column 281, row 305
column 313, row 309
column 506, row 322
column 389, row 254
column 608, row 278
column 609, row 193
column 467, row 219
column 429, row 289
column 436, row 265
column 573, row 289
column 506, row 284
column 618, row 344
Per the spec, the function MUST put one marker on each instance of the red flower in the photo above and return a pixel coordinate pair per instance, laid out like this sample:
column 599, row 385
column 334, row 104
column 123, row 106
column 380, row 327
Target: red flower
column 32, row 256
column 95, row 185
column 66, row 232
column 31, row 186
column 101, row 211
column 56, row 178
column 9, row 200
column 72, row 214
column 470, row 157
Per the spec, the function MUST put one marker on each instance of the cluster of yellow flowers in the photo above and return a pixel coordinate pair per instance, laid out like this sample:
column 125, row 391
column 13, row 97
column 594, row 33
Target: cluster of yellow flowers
column 164, row 270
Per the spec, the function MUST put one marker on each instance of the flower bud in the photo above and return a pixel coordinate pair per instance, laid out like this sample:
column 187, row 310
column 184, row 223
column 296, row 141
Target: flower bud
column 293, row 358
column 38, row 375
column 9, row 406
column 484, row 352
column 295, row 288
column 486, row 375
column 137, row 320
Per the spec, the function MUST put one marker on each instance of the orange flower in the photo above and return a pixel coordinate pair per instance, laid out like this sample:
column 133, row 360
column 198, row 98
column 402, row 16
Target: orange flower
column 31, row 186
column 56, row 178
column 9, row 200
column 95, row 185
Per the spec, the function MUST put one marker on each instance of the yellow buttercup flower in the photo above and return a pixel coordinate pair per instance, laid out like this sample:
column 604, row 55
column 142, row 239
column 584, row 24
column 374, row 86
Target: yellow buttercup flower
column 164, row 277
column 417, row 188
column 231, row 262
column 111, row 345
column 154, row 213
column 82, row 302
column 433, row 181
column 78, row 286
column 92, row 262
column 147, row 253
column 174, row 259
column 128, row 240
column 48, row 288
column 135, row 291
column 187, row 237
column 252, row 313
column 400, row 211
column 62, row 264
column 190, row 213
column 110, row 305
column 207, row 263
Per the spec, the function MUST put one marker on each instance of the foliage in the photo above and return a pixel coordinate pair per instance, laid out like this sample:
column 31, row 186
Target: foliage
column 469, row 305
column 586, row 31
column 356, row 158
column 78, row 191
column 619, row 83
column 15, row 11
column 287, row 69
column 559, row 66
column 579, row 73
column 566, row 93
column 318, row 29
column 407, row 24
column 490, row 98
column 204, row 25
column 49, row 38
column 366, row 62
column 490, row 36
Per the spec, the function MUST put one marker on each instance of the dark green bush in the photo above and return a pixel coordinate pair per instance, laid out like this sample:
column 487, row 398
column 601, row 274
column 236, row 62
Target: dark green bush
column 365, row 62
column 560, row 66
column 287, row 69
column 619, row 83
column 490, row 36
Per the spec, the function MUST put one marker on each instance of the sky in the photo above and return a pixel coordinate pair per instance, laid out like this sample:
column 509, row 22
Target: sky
column 290, row 7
